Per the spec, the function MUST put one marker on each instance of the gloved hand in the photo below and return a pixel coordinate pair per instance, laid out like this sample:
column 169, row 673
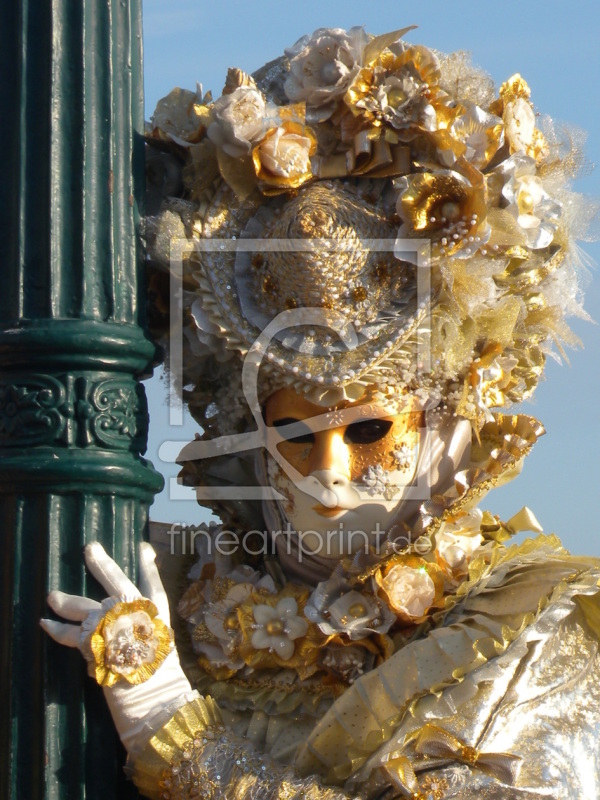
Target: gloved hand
column 132, row 705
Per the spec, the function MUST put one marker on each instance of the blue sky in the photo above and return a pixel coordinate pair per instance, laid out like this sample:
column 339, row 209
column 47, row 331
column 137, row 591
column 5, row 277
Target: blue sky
column 554, row 45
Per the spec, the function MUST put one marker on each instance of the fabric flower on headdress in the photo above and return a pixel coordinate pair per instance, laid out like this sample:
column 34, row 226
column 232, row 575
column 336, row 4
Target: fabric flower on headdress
column 239, row 121
column 182, row 116
column 535, row 211
column 282, row 159
column 323, row 65
column 447, row 208
column 519, row 119
column 490, row 377
column 474, row 134
column 397, row 90
column 337, row 609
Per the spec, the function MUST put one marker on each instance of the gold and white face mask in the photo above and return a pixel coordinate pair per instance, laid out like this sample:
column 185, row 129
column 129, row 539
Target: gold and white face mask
column 363, row 453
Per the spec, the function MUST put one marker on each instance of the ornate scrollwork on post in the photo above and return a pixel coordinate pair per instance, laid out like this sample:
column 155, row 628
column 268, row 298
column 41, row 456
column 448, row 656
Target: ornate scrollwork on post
column 33, row 411
column 120, row 414
column 79, row 411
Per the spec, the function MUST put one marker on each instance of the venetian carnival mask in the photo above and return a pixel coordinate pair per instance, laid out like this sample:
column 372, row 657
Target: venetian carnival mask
column 363, row 453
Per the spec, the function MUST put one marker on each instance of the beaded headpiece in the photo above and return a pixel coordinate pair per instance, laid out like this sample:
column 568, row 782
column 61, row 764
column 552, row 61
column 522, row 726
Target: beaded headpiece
column 389, row 186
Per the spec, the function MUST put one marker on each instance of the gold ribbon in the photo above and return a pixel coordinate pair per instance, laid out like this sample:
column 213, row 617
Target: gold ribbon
column 431, row 740
column 376, row 158
column 523, row 520
column 399, row 770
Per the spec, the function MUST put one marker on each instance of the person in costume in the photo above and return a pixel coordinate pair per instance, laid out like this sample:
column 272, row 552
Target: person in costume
column 376, row 253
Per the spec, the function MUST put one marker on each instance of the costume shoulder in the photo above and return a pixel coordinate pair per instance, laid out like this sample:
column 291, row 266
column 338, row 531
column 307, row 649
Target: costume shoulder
column 520, row 714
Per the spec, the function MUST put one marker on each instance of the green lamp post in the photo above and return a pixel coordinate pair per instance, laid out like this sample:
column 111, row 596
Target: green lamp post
column 73, row 416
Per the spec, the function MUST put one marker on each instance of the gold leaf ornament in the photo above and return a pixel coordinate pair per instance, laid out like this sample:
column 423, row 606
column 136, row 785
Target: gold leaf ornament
column 379, row 43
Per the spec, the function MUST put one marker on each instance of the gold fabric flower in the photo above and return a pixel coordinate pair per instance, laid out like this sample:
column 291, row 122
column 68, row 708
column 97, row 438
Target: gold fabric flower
column 446, row 207
column 130, row 643
column 397, row 90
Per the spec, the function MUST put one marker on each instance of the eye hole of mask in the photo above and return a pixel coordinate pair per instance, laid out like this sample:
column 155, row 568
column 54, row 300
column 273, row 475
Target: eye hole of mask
column 367, row 431
column 304, row 436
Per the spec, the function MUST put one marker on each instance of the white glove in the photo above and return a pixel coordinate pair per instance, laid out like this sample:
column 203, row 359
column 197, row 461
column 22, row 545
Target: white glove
column 133, row 707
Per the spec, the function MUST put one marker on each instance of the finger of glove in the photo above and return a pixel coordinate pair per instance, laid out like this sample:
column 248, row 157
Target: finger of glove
column 150, row 582
column 107, row 572
column 71, row 606
column 61, row 632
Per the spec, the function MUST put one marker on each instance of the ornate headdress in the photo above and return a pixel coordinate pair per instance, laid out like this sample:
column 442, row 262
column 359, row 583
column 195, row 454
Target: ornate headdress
column 387, row 185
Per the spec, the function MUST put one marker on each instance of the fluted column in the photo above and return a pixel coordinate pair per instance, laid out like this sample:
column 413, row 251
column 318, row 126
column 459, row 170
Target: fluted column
column 73, row 415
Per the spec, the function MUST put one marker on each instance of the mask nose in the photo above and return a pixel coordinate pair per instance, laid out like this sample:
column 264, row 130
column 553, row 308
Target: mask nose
column 330, row 455
column 330, row 479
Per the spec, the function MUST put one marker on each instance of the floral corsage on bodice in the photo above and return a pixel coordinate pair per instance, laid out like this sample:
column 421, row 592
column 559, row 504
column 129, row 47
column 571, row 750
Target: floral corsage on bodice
column 246, row 626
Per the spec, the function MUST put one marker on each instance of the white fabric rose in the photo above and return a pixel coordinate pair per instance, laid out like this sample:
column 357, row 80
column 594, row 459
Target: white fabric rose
column 323, row 65
column 278, row 627
column 285, row 154
column 410, row 591
column 535, row 211
column 239, row 121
